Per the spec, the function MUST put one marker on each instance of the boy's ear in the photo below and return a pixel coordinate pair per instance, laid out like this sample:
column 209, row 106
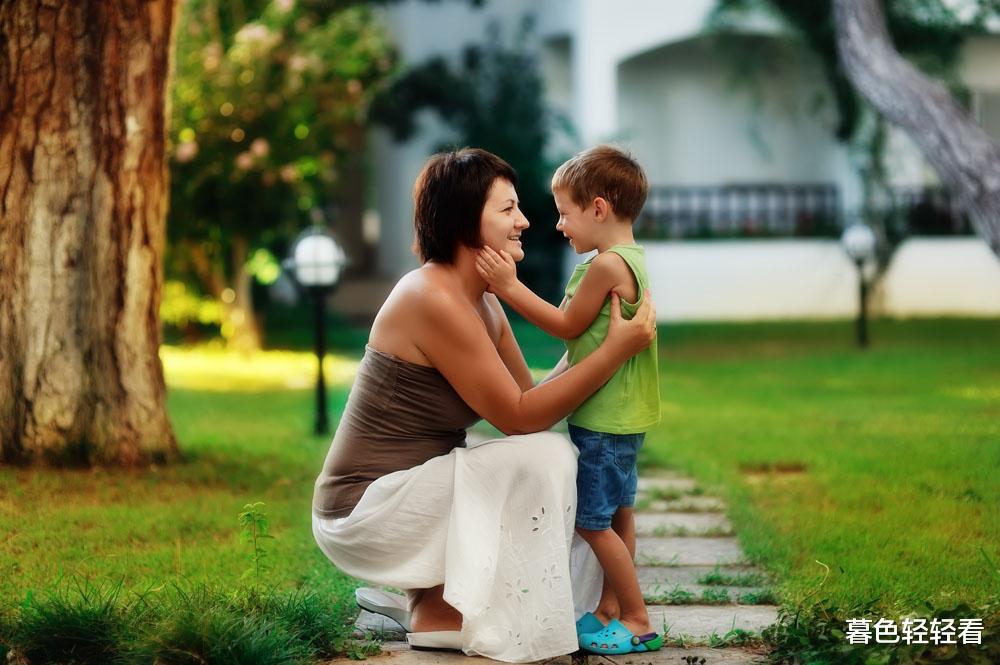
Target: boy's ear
column 601, row 208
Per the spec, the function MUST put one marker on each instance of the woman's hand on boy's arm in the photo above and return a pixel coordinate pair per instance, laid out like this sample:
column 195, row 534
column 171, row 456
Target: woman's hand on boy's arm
column 499, row 270
column 607, row 272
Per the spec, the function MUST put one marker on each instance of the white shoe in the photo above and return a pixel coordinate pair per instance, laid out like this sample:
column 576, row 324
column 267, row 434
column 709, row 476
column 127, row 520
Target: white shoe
column 436, row 639
column 387, row 604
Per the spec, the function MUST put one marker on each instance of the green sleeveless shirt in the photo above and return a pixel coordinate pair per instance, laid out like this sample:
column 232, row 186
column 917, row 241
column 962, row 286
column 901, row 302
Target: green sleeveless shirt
column 630, row 401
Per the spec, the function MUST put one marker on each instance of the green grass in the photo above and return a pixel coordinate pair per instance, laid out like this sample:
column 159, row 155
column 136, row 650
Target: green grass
column 181, row 521
column 883, row 465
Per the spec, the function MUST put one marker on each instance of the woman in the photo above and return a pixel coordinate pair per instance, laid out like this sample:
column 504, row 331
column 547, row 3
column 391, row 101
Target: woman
column 480, row 536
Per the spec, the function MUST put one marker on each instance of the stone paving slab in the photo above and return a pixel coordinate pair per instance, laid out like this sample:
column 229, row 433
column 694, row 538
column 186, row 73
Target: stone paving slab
column 688, row 551
column 700, row 621
column 399, row 653
column 378, row 625
column 676, row 656
column 701, row 594
column 686, row 504
column 653, row 484
column 663, row 473
column 688, row 575
column 688, row 524
column 657, row 581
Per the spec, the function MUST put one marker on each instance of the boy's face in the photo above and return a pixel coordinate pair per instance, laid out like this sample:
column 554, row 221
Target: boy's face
column 576, row 223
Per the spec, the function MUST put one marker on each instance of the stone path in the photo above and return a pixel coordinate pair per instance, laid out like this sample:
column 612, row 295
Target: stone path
column 698, row 586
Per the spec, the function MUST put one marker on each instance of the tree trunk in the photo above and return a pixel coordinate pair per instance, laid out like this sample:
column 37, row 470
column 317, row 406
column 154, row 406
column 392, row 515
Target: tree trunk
column 240, row 325
column 245, row 333
column 83, row 202
column 964, row 156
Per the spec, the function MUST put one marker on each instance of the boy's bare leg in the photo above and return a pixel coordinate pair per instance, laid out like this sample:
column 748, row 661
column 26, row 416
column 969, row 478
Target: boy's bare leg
column 619, row 570
column 431, row 612
column 622, row 523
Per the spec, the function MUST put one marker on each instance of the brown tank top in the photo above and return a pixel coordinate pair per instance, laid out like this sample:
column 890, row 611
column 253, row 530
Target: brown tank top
column 398, row 416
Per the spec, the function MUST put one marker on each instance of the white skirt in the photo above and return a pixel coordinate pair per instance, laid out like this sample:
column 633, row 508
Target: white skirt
column 494, row 523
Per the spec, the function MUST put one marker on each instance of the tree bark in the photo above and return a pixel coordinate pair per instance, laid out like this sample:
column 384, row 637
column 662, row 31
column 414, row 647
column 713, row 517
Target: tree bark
column 965, row 157
column 240, row 312
column 83, row 201
column 244, row 332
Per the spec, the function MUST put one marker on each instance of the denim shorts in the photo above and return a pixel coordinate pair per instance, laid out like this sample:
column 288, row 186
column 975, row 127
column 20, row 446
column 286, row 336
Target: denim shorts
column 606, row 475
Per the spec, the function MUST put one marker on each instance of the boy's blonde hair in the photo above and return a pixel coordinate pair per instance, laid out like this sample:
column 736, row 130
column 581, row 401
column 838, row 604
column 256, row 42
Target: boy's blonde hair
column 606, row 171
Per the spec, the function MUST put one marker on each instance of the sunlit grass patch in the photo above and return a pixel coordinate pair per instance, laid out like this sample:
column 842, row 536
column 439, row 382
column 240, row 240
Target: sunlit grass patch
column 211, row 367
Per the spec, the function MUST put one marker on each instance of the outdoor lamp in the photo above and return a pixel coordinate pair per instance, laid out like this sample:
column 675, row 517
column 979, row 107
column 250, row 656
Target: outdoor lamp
column 859, row 242
column 316, row 263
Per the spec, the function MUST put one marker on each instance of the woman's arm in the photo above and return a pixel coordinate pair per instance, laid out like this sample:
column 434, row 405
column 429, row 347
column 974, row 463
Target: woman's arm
column 456, row 343
column 510, row 351
column 607, row 271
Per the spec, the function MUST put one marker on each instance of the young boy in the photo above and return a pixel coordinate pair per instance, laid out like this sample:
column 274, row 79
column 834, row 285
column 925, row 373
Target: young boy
column 598, row 194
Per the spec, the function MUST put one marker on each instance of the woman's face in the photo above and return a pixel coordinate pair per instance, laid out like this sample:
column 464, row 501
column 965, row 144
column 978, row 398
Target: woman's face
column 502, row 222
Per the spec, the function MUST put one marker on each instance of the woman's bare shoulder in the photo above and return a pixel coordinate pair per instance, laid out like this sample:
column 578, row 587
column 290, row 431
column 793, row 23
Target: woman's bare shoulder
column 421, row 299
column 418, row 289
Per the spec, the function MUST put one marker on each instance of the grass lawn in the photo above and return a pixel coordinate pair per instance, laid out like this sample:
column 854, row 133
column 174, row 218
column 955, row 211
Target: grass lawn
column 178, row 522
column 883, row 465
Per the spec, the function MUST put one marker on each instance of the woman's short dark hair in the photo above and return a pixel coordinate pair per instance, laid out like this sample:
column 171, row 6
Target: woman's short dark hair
column 448, row 200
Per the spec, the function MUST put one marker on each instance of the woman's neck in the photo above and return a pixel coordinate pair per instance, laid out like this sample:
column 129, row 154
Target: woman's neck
column 463, row 269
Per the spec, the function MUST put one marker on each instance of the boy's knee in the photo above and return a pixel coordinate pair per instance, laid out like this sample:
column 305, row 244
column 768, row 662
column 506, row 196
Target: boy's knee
column 590, row 535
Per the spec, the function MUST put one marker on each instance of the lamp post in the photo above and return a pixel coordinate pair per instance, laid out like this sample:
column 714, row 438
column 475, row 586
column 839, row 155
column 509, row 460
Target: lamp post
column 316, row 262
column 858, row 241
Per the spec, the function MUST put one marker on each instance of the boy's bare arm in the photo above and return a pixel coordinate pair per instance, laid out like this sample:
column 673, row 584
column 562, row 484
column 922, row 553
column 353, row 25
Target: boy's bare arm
column 607, row 271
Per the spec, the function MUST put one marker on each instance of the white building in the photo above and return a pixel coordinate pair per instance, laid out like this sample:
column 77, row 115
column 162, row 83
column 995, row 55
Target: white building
column 643, row 73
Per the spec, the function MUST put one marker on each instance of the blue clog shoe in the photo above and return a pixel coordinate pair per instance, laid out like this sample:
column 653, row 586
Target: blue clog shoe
column 588, row 623
column 615, row 639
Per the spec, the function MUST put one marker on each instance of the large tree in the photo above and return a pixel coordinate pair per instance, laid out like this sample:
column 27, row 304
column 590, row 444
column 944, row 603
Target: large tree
column 963, row 154
column 83, row 199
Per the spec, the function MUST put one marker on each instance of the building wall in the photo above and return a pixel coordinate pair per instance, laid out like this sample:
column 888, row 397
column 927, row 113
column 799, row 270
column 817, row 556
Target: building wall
column 635, row 70
column 689, row 123
column 813, row 279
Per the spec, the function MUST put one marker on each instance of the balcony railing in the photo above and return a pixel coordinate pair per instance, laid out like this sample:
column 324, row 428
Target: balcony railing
column 740, row 211
column 787, row 210
column 927, row 211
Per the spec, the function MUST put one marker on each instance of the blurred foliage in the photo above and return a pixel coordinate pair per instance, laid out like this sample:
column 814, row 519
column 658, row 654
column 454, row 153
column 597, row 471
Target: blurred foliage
column 268, row 98
column 263, row 93
column 930, row 33
column 181, row 308
column 492, row 97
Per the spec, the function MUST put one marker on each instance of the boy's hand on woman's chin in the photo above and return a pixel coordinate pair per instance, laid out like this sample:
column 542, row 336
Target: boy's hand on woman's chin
column 498, row 269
